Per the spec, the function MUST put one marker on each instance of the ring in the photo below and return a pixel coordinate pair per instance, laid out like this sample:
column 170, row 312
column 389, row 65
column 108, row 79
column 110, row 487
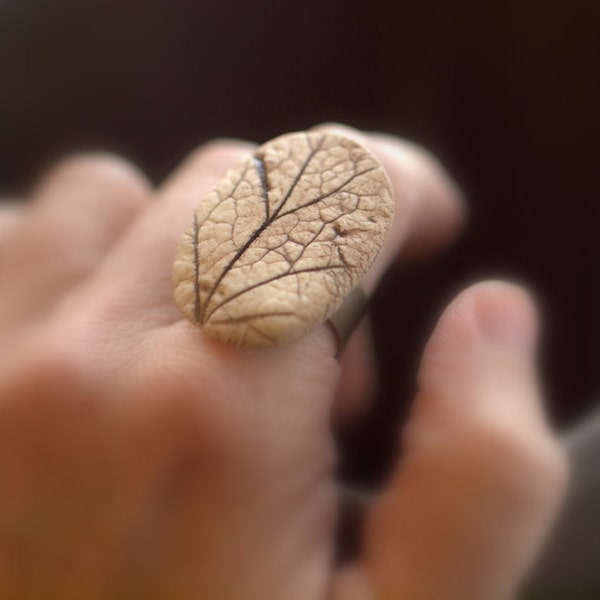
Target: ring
column 281, row 243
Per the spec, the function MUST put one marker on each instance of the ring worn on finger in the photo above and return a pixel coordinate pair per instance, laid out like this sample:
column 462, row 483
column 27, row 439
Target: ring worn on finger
column 280, row 245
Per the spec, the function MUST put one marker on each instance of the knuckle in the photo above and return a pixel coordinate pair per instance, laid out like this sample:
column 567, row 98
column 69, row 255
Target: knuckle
column 46, row 377
column 55, row 360
column 339, row 128
column 552, row 461
column 496, row 432
column 531, row 455
column 218, row 154
column 344, row 130
column 109, row 171
column 189, row 415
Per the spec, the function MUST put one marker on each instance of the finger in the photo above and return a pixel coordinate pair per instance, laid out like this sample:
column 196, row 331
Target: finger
column 137, row 274
column 11, row 215
column 482, row 475
column 430, row 208
column 357, row 381
column 80, row 208
column 430, row 212
column 436, row 205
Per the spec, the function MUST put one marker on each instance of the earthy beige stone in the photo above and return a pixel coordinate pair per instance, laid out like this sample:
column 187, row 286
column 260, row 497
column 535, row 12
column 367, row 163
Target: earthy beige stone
column 276, row 246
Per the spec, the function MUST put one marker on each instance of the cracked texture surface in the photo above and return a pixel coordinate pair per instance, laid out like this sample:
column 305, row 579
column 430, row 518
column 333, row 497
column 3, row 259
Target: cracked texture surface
column 276, row 246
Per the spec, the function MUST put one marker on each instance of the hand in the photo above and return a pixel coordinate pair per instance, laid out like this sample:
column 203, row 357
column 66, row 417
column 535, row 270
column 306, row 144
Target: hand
column 139, row 459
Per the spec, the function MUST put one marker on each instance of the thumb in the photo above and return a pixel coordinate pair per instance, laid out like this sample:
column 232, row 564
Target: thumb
column 481, row 477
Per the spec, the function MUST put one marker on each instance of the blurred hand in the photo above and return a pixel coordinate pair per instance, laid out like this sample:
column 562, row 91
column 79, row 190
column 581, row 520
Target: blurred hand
column 139, row 459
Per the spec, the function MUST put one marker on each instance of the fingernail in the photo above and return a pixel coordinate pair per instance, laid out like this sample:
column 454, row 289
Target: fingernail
column 507, row 318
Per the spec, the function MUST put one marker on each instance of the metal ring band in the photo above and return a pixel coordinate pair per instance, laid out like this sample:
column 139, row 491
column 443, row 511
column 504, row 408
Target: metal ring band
column 347, row 317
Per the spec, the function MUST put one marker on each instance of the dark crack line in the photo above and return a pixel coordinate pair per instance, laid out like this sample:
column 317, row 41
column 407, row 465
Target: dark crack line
column 328, row 194
column 262, row 175
column 274, row 278
column 260, row 229
column 300, row 174
column 256, row 330
column 246, row 318
column 230, row 195
column 196, row 270
column 305, row 246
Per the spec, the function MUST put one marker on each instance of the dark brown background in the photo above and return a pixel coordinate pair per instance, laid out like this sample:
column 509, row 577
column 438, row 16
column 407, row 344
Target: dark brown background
column 505, row 92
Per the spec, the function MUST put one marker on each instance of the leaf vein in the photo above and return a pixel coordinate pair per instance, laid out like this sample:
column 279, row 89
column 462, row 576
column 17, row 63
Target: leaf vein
column 327, row 195
column 260, row 229
column 262, row 175
column 271, row 279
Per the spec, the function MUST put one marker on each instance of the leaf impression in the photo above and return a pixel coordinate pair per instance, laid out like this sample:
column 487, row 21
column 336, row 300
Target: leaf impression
column 277, row 245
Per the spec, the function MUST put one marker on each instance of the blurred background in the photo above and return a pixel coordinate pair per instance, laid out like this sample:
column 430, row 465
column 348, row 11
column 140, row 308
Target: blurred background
column 506, row 93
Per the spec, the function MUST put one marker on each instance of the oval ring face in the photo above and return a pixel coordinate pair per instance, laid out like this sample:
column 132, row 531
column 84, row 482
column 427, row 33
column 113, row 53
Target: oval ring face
column 277, row 245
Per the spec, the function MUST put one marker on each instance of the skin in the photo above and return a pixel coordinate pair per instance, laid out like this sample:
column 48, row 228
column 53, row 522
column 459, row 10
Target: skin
column 139, row 459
